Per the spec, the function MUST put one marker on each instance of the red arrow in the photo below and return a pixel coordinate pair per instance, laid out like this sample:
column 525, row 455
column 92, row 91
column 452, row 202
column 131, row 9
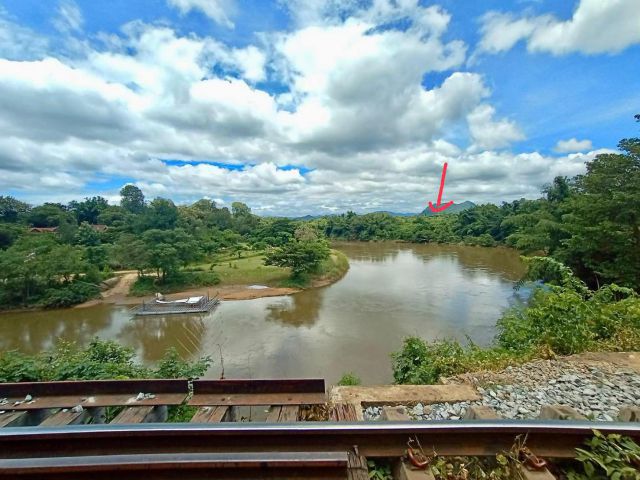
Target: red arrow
column 439, row 208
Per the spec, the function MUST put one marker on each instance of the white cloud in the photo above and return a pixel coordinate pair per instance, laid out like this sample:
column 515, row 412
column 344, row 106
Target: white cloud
column 354, row 113
column 217, row 10
column 69, row 17
column 573, row 145
column 596, row 26
column 487, row 133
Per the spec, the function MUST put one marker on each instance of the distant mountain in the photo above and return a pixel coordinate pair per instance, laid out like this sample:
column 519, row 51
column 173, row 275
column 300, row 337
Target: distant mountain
column 455, row 208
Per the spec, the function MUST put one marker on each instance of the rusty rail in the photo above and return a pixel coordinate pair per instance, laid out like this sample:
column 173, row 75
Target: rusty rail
column 475, row 438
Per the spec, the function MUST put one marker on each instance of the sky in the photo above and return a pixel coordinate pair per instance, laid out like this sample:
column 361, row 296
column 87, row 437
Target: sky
column 302, row 107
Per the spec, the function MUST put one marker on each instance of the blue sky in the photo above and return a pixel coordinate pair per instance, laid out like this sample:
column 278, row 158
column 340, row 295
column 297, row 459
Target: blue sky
column 299, row 107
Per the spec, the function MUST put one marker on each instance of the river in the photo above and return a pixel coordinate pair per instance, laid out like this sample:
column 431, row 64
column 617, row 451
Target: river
column 391, row 291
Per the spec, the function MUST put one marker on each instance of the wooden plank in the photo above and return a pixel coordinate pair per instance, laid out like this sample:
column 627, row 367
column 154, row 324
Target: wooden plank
column 289, row 413
column 213, row 399
column 403, row 394
column 543, row 474
column 357, row 467
column 65, row 418
column 283, row 413
column 210, row 415
column 403, row 471
column 12, row 419
column 344, row 412
column 356, row 464
column 134, row 415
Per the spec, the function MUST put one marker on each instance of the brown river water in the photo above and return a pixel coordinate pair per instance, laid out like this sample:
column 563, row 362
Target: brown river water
column 391, row 291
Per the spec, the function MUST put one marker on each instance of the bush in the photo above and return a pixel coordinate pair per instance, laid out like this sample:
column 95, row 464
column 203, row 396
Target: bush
column 100, row 360
column 349, row 379
column 68, row 294
column 563, row 321
column 420, row 362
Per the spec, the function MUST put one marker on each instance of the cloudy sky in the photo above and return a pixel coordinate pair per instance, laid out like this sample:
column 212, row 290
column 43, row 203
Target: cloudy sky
column 311, row 106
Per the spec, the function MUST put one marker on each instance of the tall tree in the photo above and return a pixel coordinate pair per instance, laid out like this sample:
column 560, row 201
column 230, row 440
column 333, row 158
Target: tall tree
column 132, row 199
column 604, row 220
column 11, row 209
column 89, row 209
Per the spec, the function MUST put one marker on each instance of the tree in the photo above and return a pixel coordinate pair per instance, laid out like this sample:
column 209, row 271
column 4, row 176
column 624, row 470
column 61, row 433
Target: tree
column 89, row 209
column 162, row 214
column 604, row 220
column 87, row 236
column 243, row 220
column 167, row 250
column 132, row 199
column 49, row 215
column 301, row 256
column 11, row 209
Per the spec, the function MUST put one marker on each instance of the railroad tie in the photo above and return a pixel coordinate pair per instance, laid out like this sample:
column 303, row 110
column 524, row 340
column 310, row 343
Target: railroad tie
column 629, row 414
column 483, row 412
column 402, row 470
column 356, row 464
column 214, row 414
column 142, row 414
column 12, row 419
column 560, row 412
column 283, row 413
column 68, row 417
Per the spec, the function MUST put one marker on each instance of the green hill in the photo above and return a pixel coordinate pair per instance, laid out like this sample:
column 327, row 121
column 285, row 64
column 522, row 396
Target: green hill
column 455, row 208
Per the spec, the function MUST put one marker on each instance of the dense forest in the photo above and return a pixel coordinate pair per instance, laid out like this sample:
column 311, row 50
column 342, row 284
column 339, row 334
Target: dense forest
column 56, row 255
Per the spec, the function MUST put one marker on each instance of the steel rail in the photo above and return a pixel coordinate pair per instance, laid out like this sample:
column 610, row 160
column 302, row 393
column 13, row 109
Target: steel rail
column 555, row 439
column 321, row 465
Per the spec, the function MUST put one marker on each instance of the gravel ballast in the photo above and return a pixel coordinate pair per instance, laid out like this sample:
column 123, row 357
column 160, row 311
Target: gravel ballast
column 597, row 392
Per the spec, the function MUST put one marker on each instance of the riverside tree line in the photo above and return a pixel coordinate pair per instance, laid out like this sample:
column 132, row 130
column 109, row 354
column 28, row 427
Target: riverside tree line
column 56, row 255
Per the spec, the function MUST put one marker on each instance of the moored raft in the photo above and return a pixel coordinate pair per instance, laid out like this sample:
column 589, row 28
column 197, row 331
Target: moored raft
column 159, row 306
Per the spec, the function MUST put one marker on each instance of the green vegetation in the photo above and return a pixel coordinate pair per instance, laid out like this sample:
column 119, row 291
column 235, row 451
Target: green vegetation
column 562, row 317
column 249, row 270
column 98, row 361
column 349, row 379
column 303, row 254
column 56, row 255
column 607, row 456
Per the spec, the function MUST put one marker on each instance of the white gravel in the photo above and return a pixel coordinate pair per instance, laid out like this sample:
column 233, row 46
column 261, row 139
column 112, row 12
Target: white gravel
column 520, row 392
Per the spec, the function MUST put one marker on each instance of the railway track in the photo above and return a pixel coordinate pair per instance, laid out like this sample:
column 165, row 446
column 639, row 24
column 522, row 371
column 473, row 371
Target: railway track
column 136, row 444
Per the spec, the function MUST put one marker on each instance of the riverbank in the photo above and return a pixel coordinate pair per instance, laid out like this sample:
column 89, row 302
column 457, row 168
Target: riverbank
column 246, row 269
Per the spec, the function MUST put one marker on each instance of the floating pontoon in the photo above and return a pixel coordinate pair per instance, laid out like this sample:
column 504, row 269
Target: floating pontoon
column 159, row 306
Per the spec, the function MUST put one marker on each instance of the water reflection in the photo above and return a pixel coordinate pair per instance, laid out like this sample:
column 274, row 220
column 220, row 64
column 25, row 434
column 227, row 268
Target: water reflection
column 390, row 292
column 153, row 334
column 297, row 310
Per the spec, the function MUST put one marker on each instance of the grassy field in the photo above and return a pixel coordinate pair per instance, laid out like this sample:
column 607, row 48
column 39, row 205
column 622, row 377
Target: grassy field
column 249, row 271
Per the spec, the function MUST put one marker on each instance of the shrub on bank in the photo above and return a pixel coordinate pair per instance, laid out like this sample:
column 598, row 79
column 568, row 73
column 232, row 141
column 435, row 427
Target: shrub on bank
column 100, row 360
column 562, row 318
column 69, row 294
